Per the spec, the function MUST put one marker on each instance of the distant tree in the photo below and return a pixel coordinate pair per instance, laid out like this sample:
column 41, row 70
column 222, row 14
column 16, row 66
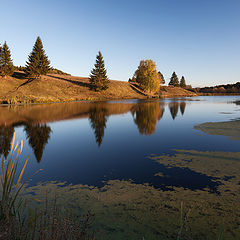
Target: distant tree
column 38, row 63
column 21, row 68
column 174, row 80
column 133, row 79
column 161, row 78
column 57, row 71
column 6, row 64
column 98, row 77
column 147, row 76
column 182, row 82
column 38, row 136
column 98, row 121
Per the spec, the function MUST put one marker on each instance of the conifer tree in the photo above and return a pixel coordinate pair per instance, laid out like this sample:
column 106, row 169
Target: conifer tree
column 161, row 77
column 38, row 63
column 6, row 64
column 182, row 82
column 98, row 77
column 174, row 80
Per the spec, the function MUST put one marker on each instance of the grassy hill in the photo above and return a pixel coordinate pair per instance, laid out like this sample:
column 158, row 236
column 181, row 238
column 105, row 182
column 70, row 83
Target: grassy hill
column 65, row 88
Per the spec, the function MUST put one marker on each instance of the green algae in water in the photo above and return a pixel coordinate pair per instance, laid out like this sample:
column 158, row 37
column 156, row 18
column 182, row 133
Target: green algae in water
column 230, row 129
column 125, row 210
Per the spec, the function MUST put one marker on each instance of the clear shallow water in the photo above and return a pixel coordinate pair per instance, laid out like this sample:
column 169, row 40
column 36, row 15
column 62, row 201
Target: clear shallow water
column 93, row 144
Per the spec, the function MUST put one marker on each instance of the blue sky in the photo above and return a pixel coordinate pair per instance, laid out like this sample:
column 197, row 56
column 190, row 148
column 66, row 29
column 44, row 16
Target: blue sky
column 199, row 39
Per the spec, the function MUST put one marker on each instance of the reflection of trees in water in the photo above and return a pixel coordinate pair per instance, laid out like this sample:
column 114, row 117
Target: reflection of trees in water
column 146, row 116
column 237, row 102
column 38, row 136
column 6, row 134
column 173, row 107
column 98, row 120
column 182, row 107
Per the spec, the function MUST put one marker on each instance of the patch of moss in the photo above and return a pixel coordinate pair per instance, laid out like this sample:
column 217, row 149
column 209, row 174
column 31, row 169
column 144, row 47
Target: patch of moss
column 231, row 129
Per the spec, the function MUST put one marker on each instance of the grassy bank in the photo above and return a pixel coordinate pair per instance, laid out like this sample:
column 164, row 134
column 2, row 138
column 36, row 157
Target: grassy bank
column 66, row 88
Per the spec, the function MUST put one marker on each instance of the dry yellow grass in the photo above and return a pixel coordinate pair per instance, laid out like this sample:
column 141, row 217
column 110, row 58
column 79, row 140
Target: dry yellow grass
column 65, row 88
column 166, row 92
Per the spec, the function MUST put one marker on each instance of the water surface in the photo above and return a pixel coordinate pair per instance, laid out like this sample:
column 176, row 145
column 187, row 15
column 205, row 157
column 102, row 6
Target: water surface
column 134, row 163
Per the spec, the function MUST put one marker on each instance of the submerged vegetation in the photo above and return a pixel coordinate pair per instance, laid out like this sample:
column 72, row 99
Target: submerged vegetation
column 152, row 213
column 230, row 129
column 127, row 210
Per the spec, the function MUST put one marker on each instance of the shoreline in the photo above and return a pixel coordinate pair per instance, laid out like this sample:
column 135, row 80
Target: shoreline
column 91, row 100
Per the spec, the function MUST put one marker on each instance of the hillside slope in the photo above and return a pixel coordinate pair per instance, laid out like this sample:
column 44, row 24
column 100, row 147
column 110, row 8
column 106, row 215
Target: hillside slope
column 65, row 88
column 168, row 92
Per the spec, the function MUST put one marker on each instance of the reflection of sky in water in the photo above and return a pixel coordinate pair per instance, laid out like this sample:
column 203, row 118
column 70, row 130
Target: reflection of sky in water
column 73, row 155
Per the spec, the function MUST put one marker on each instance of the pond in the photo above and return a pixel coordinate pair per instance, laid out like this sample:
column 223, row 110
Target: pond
column 138, row 165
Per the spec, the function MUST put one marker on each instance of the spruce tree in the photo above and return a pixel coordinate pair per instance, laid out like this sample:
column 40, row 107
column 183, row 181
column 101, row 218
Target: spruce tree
column 38, row 63
column 6, row 64
column 174, row 80
column 98, row 77
column 161, row 77
column 182, row 82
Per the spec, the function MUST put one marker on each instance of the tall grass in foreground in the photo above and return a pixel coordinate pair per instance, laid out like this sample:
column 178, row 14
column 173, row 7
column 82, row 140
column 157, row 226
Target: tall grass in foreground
column 10, row 201
column 40, row 224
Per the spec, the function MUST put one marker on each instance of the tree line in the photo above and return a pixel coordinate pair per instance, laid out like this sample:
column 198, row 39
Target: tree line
column 146, row 76
column 36, row 65
column 222, row 89
column 150, row 80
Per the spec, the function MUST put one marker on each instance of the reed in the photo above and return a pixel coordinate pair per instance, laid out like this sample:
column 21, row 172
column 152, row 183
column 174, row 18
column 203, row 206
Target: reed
column 11, row 203
column 50, row 223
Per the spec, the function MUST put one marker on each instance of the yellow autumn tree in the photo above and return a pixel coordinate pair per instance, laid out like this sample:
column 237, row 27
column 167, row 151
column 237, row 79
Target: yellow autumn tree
column 147, row 76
